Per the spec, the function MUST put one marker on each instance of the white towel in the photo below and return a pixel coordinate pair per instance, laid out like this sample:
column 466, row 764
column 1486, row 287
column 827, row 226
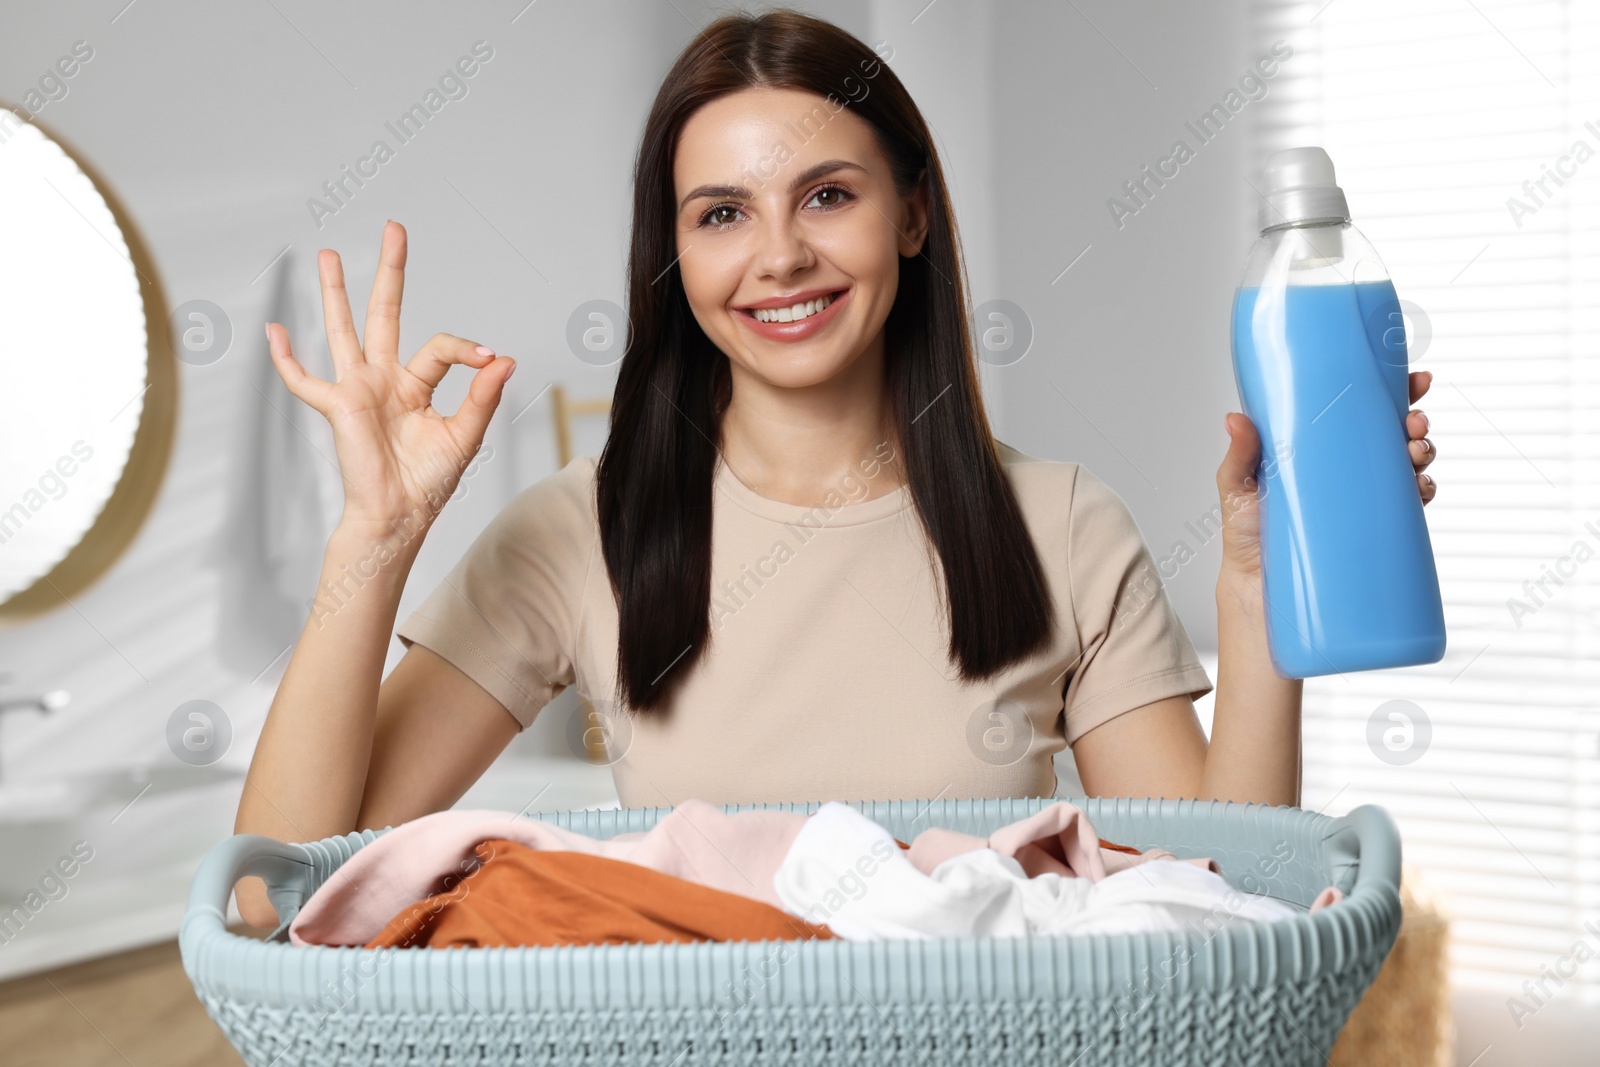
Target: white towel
column 284, row 493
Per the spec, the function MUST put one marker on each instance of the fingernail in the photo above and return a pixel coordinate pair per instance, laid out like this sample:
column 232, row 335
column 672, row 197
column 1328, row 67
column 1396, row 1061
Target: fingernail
column 510, row 372
column 267, row 327
column 1427, row 479
column 484, row 350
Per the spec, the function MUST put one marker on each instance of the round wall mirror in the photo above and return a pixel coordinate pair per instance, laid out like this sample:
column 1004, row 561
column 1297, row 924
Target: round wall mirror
column 73, row 353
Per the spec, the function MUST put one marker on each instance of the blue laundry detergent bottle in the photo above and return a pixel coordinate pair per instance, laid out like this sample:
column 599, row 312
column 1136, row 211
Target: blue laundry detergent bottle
column 1319, row 356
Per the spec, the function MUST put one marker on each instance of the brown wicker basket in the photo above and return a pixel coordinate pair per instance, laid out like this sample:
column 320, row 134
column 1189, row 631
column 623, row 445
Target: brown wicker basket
column 1404, row 1018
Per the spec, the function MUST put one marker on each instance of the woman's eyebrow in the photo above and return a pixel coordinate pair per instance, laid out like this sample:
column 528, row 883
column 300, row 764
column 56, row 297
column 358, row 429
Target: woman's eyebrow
column 739, row 192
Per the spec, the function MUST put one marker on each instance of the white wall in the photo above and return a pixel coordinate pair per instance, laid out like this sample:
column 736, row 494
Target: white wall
column 1130, row 372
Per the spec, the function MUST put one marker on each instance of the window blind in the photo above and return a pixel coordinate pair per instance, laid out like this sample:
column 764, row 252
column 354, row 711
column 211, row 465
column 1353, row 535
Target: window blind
column 1466, row 135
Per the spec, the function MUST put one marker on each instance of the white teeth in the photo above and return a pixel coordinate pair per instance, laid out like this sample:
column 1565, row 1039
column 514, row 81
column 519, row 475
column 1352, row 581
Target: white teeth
column 793, row 314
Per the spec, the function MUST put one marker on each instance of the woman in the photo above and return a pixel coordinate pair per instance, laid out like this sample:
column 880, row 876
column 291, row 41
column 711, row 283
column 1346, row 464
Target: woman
column 802, row 567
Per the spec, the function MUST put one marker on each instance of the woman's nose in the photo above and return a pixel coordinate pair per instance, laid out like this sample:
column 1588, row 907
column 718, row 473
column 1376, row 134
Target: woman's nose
column 783, row 248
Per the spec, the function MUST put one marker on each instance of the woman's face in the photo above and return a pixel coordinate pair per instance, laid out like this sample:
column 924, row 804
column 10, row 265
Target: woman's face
column 782, row 200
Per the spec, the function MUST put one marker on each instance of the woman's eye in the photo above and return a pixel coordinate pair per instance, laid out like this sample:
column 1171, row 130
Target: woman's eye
column 837, row 190
column 706, row 218
column 712, row 218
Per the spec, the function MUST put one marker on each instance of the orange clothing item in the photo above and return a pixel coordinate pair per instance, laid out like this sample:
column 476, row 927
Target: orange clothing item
column 523, row 896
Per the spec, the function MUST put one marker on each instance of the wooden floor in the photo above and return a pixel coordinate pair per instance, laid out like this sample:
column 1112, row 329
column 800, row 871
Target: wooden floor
column 133, row 1008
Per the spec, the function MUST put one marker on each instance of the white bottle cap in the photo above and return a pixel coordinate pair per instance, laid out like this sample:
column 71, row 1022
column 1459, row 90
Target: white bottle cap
column 1300, row 188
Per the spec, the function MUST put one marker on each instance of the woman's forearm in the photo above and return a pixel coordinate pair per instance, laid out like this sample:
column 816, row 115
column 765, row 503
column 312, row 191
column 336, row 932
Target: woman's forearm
column 1254, row 753
column 401, row 461
column 309, row 770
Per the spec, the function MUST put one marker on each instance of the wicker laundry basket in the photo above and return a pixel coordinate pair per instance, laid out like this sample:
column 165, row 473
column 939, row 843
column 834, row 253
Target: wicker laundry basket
column 1230, row 993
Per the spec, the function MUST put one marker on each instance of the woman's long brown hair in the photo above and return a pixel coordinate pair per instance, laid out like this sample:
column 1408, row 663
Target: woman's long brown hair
column 654, row 480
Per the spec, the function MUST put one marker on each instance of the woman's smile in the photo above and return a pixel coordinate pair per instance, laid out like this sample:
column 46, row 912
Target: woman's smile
column 794, row 321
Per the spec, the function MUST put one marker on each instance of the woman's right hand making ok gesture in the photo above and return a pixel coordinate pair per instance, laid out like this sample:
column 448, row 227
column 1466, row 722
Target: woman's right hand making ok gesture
column 400, row 458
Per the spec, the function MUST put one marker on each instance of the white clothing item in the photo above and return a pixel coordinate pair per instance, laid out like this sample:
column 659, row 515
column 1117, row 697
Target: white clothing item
column 1161, row 895
column 847, row 871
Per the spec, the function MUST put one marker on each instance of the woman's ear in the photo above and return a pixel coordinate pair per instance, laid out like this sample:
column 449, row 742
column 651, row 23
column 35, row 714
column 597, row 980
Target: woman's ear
column 914, row 217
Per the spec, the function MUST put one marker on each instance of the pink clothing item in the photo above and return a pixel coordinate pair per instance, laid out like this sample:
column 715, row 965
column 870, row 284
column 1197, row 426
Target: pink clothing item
column 1056, row 840
column 696, row 841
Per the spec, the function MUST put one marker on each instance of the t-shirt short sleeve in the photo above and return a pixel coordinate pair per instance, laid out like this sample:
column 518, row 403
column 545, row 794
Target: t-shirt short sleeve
column 1134, row 648
column 506, row 614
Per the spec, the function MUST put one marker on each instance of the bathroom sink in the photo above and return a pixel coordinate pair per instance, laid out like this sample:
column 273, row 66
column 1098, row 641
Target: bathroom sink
column 63, row 796
column 126, row 820
column 35, row 800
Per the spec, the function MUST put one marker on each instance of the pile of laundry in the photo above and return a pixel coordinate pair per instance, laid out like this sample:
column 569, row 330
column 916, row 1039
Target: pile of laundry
column 492, row 878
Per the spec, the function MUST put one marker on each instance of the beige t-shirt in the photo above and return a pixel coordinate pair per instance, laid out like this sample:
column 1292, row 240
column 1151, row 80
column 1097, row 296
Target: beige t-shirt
column 827, row 676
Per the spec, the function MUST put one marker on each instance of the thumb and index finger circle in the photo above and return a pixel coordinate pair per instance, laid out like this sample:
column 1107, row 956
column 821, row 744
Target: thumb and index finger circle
column 471, row 420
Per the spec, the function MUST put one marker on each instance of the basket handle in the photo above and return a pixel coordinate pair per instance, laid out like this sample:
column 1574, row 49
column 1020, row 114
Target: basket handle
column 1367, row 839
column 284, row 866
